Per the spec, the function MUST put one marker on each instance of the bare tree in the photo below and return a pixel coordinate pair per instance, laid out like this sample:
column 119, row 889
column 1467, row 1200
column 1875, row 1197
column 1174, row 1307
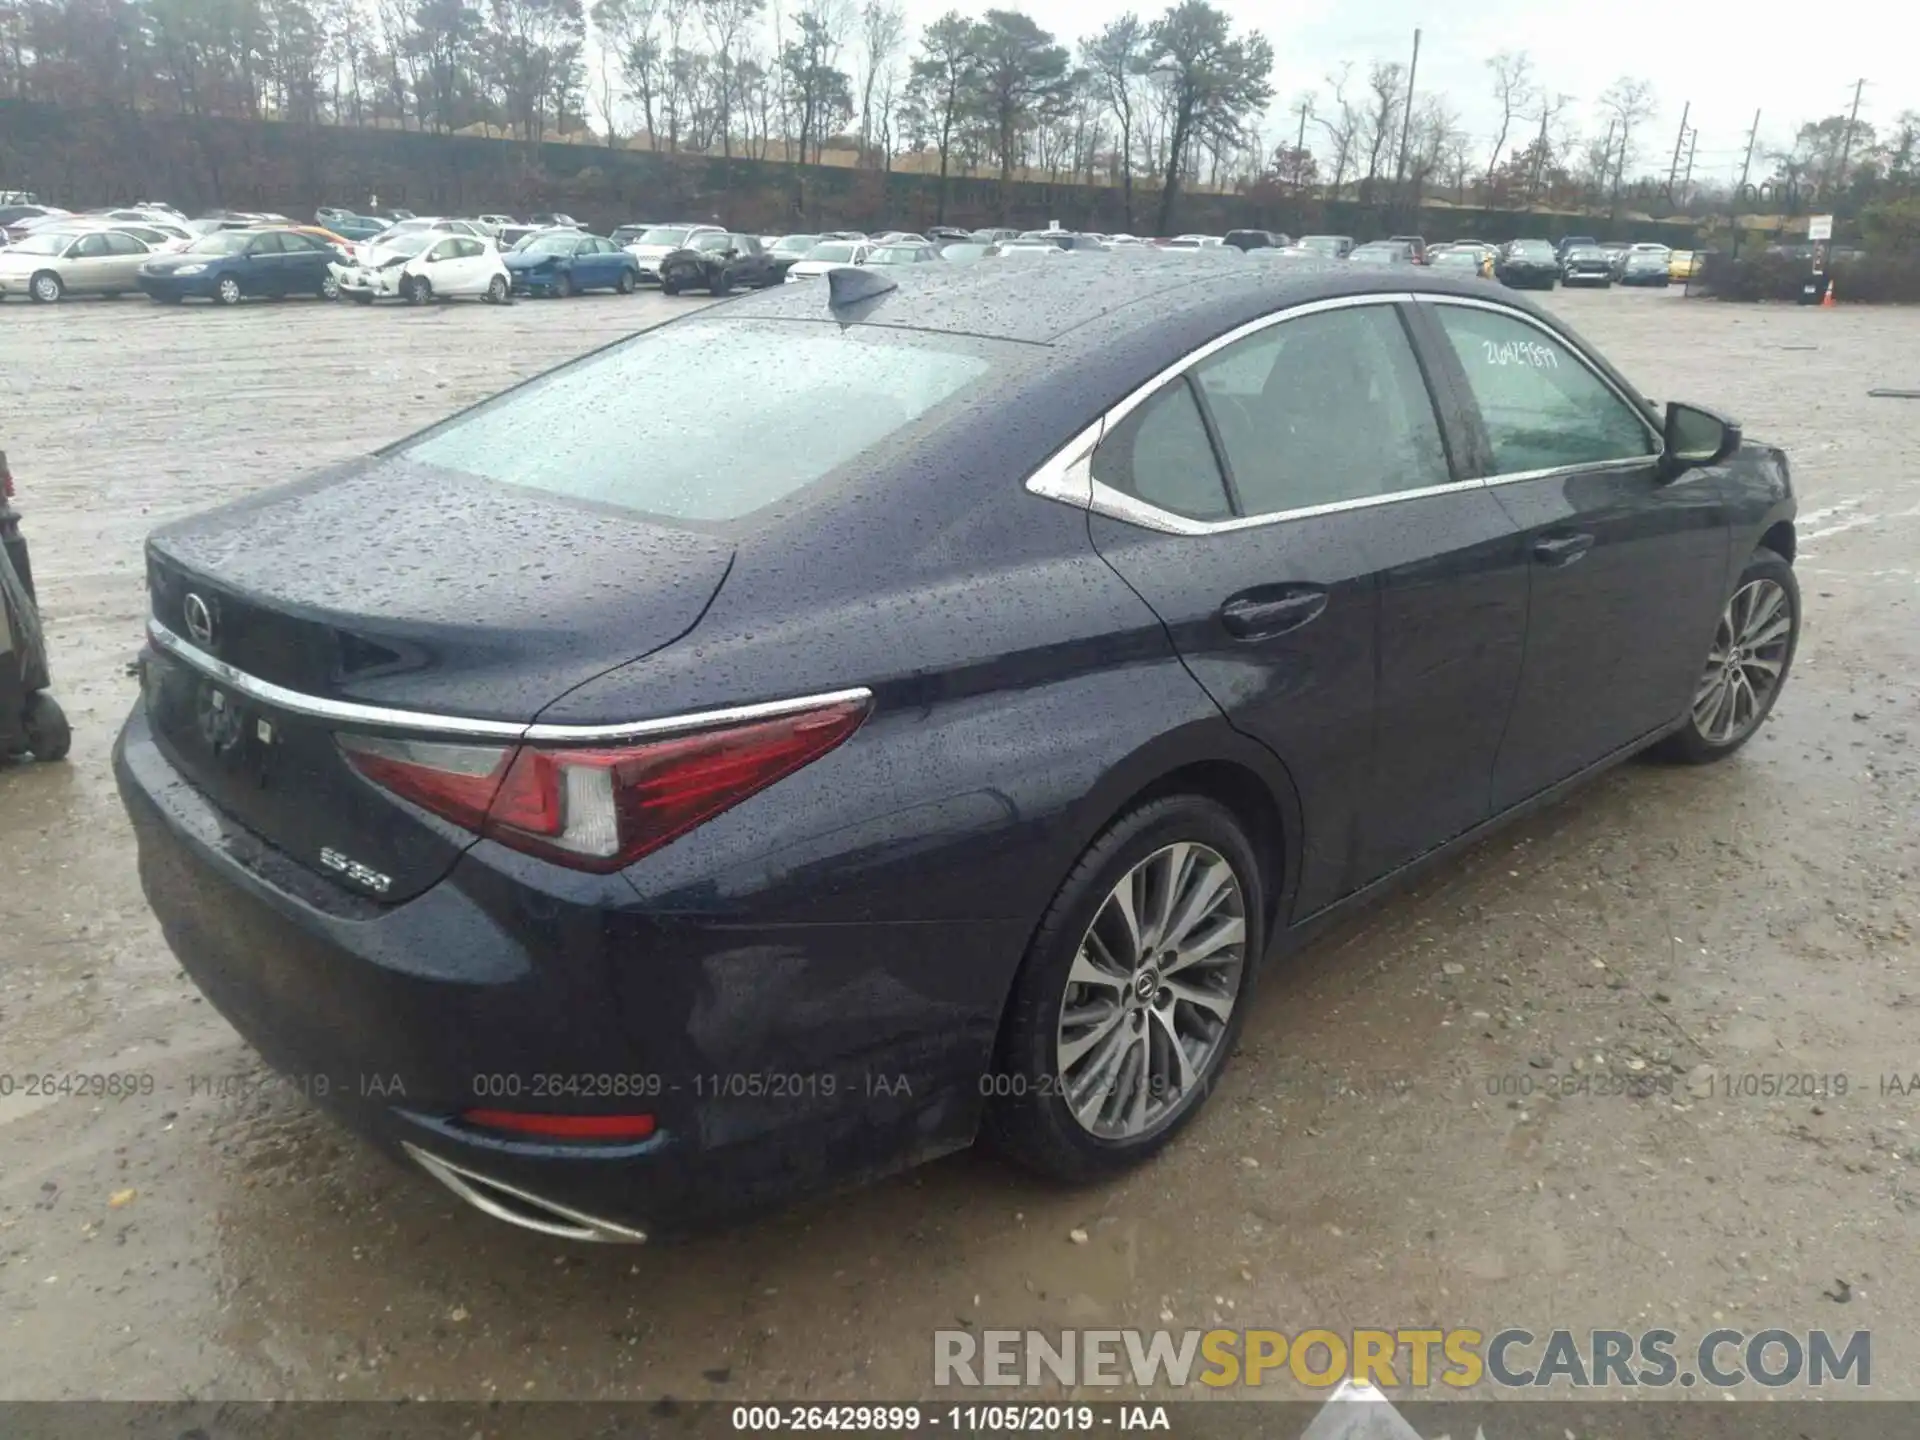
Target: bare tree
column 1377, row 123
column 883, row 30
column 1513, row 91
column 1113, row 59
column 1342, row 126
column 1627, row 102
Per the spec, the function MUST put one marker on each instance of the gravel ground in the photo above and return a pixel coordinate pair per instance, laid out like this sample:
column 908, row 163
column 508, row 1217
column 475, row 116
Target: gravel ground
column 1370, row 1159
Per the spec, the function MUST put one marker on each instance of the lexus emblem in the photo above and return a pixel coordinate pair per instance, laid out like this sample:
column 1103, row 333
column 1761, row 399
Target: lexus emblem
column 199, row 619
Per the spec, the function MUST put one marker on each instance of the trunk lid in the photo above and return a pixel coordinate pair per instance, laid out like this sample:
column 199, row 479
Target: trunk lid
column 398, row 586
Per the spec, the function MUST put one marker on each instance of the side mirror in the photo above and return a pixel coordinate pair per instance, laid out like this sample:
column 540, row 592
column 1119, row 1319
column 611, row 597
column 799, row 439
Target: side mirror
column 1696, row 437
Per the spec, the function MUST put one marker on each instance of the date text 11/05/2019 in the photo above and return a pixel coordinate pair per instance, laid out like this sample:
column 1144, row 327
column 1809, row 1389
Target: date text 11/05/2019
column 1044, row 1419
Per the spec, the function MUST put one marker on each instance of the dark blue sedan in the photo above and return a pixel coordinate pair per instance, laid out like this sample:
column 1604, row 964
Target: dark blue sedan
column 229, row 266
column 565, row 262
column 638, row 813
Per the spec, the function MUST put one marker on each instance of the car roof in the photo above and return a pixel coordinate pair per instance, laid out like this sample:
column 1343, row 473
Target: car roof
column 1097, row 303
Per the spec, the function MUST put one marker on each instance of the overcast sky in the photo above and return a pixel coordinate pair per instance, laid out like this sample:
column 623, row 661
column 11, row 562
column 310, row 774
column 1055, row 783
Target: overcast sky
column 1787, row 62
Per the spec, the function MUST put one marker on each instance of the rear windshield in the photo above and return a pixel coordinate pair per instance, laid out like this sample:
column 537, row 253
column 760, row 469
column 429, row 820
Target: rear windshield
column 782, row 405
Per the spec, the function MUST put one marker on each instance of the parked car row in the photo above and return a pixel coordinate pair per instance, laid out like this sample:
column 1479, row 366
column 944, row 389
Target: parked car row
column 227, row 256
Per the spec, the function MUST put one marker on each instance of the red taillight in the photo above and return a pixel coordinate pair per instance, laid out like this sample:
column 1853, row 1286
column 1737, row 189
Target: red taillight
column 604, row 807
column 563, row 1127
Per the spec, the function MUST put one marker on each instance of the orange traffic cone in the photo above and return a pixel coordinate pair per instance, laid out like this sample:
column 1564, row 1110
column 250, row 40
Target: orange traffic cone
column 1826, row 301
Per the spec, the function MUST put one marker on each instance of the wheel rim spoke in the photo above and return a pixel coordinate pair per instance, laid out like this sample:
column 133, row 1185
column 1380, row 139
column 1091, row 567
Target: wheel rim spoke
column 1151, row 991
column 1745, row 662
column 1227, row 934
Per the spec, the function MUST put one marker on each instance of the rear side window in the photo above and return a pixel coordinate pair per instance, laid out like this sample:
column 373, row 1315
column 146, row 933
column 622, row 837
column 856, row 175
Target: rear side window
column 1160, row 454
column 1542, row 406
column 1324, row 408
column 782, row 406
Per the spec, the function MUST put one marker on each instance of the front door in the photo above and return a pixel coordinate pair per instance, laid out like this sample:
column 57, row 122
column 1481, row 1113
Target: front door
column 90, row 265
column 1627, row 568
column 264, row 272
column 1305, row 467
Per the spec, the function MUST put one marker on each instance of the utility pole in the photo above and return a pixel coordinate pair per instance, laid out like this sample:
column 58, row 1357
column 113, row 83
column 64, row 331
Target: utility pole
column 1686, row 181
column 1846, row 141
column 1539, row 153
column 1678, row 140
column 1300, row 144
column 1606, row 154
column 1740, row 190
column 1406, row 120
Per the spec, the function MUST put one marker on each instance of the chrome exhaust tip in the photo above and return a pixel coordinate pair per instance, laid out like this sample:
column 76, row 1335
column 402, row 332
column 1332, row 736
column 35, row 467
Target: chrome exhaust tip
column 519, row 1207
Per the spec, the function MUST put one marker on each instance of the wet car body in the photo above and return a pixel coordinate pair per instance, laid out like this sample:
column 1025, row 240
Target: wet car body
column 718, row 262
column 1528, row 265
column 1646, row 267
column 806, row 989
column 566, row 262
column 1587, row 265
column 228, row 266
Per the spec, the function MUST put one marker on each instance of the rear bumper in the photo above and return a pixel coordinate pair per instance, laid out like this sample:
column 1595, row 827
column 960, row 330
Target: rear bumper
column 777, row 1061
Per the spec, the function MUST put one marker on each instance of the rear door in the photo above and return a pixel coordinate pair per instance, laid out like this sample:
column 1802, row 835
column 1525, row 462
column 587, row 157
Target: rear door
column 125, row 256
column 1275, row 503
column 1627, row 569
column 307, row 258
column 471, row 265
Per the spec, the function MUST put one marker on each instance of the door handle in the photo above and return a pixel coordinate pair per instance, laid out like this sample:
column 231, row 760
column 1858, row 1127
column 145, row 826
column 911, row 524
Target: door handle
column 1561, row 549
column 1263, row 614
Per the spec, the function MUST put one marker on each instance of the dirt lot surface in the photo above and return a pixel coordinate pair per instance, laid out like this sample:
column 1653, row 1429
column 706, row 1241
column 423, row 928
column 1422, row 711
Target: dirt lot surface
column 1385, row 1150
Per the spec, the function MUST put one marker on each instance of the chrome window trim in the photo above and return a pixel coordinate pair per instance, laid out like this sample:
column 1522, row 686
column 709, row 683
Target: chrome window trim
column 352, row 712
column 1068, row 475
column 1471, row 302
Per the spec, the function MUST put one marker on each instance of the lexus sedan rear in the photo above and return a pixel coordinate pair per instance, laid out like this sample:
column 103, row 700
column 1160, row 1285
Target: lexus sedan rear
column 640, row 815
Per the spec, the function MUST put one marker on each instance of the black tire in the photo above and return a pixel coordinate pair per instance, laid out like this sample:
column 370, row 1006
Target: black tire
column 227, row 292
column 497, row 290
column 416, row 290
column 330, row 288
column 625, row 283
column 1033, row 1125
column 358, row 298
column 1690, row 745
column 722, row 284
column 668, row 285
column 46, row 287
column 562, row 285
column 45, row 728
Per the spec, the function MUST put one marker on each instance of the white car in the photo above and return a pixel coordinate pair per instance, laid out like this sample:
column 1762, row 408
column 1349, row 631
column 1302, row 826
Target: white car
column 423, row 265
column 432, row 224
column 660, row 241
column 829, row 255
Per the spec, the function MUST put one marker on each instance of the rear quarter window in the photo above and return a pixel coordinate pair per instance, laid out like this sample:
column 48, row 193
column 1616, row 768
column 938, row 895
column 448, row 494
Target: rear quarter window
column 782, row 406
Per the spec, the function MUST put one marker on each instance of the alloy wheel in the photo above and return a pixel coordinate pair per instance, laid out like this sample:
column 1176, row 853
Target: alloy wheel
column 229, row 291
column 46, row 288
column 1744, row 666
column 1151, row 991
